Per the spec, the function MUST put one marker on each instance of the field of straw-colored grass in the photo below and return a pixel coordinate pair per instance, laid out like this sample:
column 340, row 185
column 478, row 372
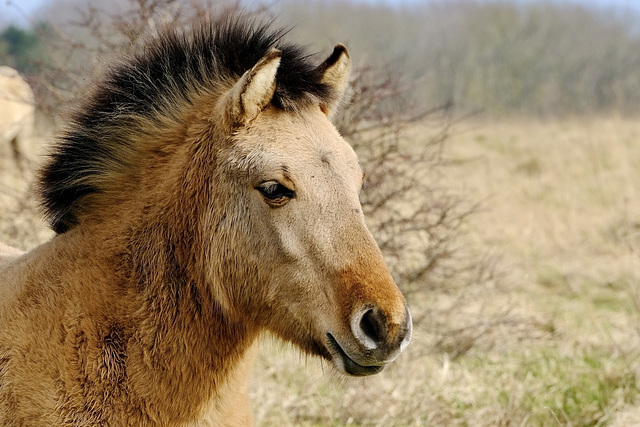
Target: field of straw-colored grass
column 554, row 339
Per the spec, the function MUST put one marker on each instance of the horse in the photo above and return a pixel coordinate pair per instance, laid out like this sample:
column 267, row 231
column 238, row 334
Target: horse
column 200, row 197
column 17, row 111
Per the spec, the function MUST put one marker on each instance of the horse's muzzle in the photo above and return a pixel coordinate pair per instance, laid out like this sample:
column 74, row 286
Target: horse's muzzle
column 374, row 343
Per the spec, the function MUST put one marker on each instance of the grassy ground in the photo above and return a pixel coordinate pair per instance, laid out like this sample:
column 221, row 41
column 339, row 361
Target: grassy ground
column 552, row 339
column 561, row 209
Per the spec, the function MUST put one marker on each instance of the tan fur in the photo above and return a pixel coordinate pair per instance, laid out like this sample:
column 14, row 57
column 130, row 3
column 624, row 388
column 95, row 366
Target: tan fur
column 337, row 69
column 254, row 90
column 145, row 313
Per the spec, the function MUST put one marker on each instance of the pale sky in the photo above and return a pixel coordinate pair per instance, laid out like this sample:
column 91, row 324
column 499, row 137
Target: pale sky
column 9, row 9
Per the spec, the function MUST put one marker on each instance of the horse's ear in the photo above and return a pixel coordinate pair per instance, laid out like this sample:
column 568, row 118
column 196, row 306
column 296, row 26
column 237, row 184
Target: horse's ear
column 335, row 73
column 254, row 90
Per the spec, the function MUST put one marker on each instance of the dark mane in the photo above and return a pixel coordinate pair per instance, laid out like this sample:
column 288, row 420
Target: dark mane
column 170, row 72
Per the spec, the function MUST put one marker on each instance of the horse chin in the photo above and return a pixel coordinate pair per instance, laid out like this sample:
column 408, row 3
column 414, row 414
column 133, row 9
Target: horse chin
column 346, row 364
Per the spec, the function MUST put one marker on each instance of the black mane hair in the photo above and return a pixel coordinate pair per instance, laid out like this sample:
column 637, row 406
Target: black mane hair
column 171, row 70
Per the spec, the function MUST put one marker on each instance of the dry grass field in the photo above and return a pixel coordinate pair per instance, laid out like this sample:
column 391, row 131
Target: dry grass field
column 553, row 339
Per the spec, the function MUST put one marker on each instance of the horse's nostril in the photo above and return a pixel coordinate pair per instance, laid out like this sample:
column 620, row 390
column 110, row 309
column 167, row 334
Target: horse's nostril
column 372, row 326
column 380, row 340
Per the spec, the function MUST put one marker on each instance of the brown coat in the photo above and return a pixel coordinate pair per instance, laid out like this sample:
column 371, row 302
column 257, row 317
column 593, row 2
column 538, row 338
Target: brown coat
column 186, row 228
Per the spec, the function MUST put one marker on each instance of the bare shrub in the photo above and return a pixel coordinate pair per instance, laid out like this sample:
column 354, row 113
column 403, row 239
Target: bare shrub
column 413, row 218
column 97, row 33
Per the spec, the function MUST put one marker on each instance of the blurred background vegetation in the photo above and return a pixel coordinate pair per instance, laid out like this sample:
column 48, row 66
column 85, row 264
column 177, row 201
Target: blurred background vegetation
column 542, row 59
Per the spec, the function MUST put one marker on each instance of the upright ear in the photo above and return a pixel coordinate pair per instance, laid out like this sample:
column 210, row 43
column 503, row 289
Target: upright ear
column 335, row 73
column 254, row 90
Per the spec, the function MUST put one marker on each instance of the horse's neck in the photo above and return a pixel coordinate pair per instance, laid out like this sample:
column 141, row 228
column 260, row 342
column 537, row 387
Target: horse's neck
column 174, row 352
column 191, row 356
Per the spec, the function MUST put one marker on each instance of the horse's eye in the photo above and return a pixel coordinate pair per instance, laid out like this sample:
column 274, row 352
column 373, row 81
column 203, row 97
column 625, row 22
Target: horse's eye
column 275, row 193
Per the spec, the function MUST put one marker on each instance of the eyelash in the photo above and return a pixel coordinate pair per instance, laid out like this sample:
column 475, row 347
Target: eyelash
column 275, row 192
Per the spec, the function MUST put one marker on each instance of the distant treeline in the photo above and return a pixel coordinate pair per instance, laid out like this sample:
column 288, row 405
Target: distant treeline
column 20, row 49
column 527, row 58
